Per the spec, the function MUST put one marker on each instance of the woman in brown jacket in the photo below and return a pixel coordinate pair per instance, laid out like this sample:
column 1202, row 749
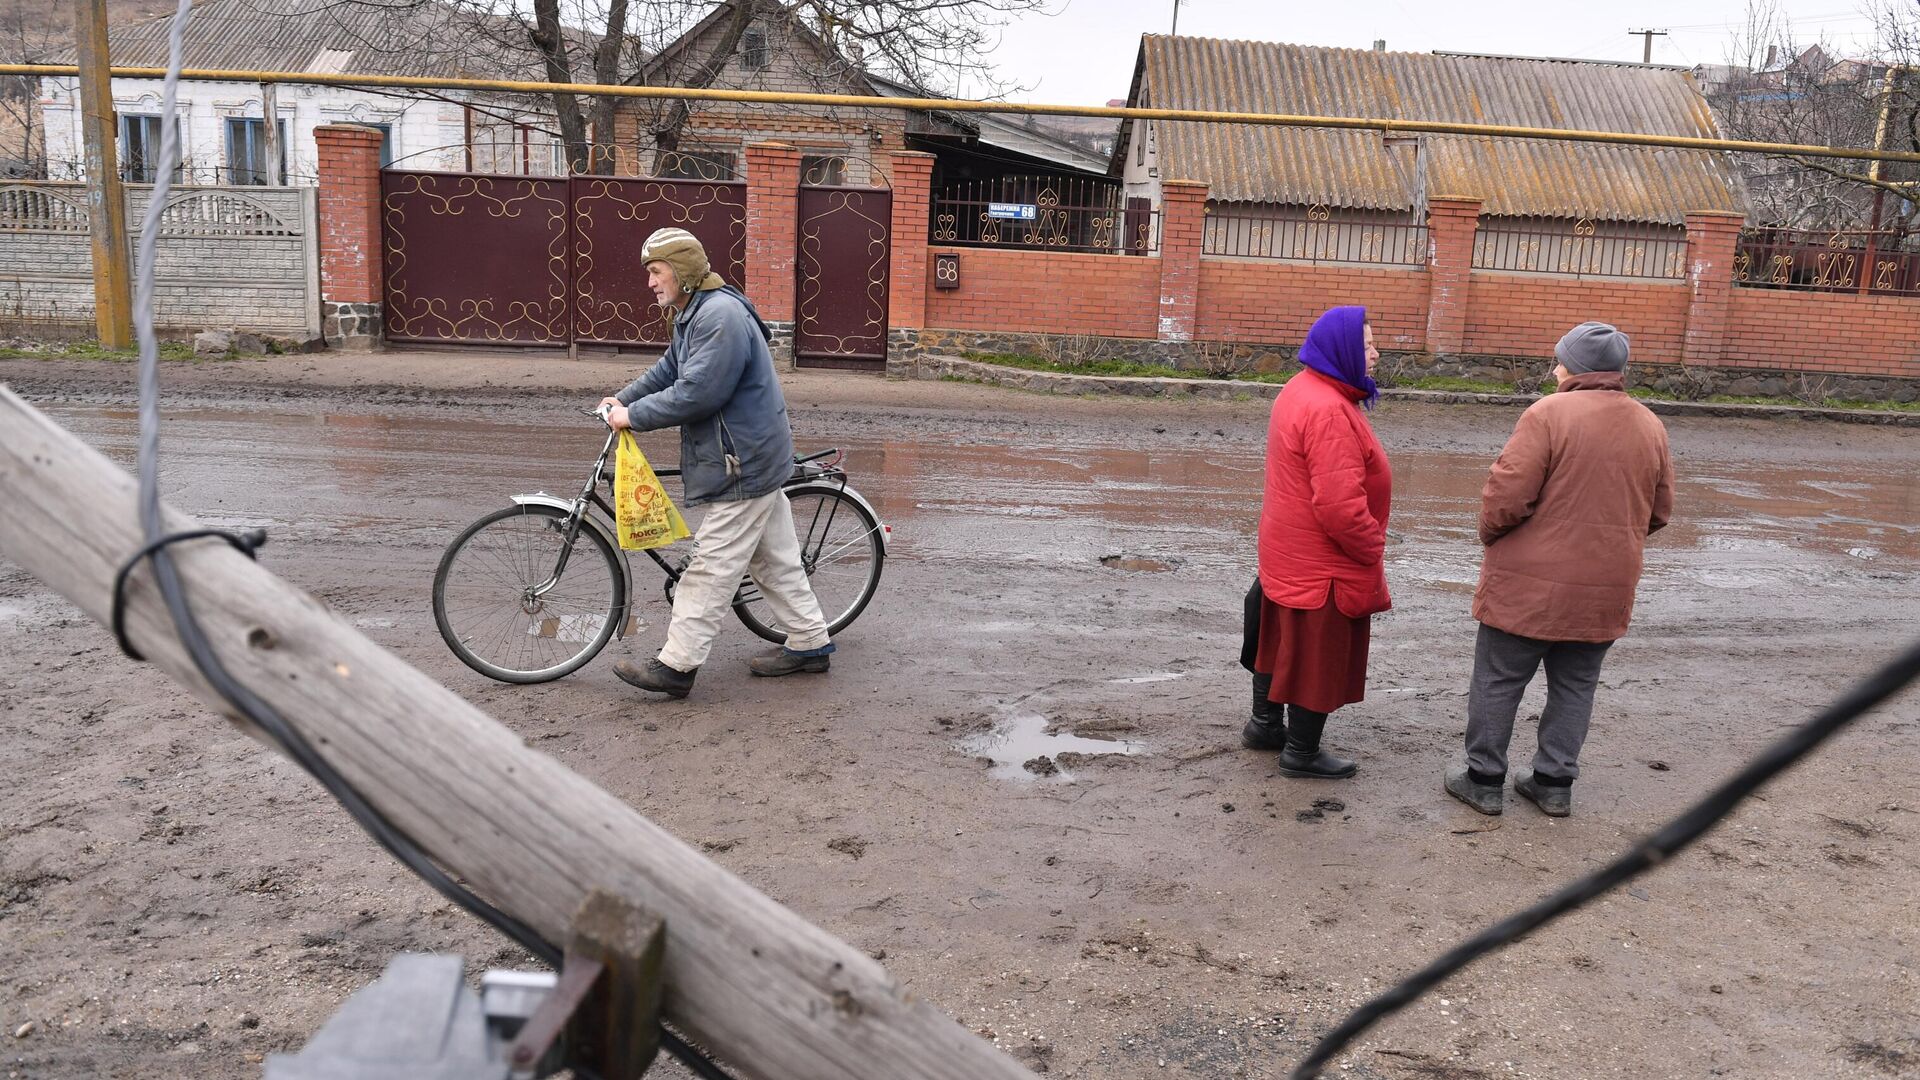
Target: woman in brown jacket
column 1565, row 513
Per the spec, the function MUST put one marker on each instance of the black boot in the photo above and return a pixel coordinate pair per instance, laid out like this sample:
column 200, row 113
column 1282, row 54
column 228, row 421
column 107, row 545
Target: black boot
column 1303, row 756
column 657, row 677
column 1267, row 728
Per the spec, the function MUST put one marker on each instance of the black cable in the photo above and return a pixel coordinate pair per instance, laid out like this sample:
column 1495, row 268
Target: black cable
column 1678, row 833
column 247, row 542
column 200, row 650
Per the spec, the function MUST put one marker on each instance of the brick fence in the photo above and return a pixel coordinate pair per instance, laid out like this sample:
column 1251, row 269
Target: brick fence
column 1181, row 306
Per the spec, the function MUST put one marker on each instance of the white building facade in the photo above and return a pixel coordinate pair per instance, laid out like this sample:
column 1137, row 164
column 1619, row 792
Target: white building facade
column 222, row 131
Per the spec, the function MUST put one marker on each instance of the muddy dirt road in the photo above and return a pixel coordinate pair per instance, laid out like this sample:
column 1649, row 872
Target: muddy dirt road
column 176, row 901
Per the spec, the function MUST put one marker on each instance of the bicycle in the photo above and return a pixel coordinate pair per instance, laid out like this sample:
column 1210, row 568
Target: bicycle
column 523, row 585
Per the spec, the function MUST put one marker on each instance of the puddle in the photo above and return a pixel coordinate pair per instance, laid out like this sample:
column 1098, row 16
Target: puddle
column 1138, row 563
column 14, row 611
column 1023, row 737
column 1151, row 677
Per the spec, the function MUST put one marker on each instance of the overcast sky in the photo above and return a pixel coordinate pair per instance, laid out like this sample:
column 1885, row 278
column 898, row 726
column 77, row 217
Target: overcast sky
column 1083, row 53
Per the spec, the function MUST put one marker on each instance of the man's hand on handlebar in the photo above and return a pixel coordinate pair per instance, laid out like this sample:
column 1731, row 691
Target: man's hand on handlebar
column 614, row 413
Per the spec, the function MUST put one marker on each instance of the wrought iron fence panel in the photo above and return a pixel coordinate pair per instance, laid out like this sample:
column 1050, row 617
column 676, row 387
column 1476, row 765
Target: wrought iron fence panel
column 1046, row 213
column 1829, row 260
column 1314, row 235
column 1583, row 248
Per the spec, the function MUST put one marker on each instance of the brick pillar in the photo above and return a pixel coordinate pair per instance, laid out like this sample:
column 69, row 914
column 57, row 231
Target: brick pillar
column 1452, row 222
column 773, row 213
column 351, row 279
column 1183, row 219
column 912, row 205
column 1712, row 237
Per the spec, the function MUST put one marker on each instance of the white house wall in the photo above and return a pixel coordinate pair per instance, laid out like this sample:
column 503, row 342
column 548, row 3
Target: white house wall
column 1141, row 174
column 426, row 134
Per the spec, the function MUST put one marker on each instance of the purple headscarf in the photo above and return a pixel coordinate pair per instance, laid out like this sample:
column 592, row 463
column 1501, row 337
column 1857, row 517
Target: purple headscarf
column 1337, row 348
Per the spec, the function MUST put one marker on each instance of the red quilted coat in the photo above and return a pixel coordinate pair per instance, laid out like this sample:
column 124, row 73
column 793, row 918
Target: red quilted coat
column 1324, row 523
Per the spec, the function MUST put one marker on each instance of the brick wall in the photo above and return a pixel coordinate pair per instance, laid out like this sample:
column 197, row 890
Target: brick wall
column 1830, row 333
column 1451, row 224
column 1183, row 224
column 1525, row 314
column 1049, row 292
column 909, row 277
column 773, row 203
column 1263, row 300
column 349, row 213
column 1445, row 309
column 1178, row 300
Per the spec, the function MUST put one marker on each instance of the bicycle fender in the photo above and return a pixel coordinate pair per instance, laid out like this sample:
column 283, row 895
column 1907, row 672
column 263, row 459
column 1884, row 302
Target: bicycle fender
column 815, row 485
column 541, row 498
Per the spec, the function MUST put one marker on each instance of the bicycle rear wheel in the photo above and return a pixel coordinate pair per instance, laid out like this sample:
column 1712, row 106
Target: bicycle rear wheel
column 487, row 603
column 842, row 550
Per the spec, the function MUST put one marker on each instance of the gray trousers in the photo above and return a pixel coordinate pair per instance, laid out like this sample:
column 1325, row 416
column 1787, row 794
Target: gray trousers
column 1503, row 665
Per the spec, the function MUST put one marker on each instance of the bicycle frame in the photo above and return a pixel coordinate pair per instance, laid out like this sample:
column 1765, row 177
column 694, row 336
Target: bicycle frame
column 806, row 470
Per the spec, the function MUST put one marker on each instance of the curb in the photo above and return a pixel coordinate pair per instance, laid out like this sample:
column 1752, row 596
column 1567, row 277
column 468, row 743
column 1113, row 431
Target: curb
column 1053, row 382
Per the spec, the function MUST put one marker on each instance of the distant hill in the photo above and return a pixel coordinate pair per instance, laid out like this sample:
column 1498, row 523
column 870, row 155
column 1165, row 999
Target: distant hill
column 51, row 21
column 1093, row 133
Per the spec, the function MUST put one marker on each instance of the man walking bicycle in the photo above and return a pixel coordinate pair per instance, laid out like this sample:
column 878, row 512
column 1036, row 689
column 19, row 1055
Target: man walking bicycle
column 716, row 383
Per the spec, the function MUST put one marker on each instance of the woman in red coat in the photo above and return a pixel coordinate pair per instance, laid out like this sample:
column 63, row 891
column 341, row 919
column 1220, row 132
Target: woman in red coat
column 1323, row 534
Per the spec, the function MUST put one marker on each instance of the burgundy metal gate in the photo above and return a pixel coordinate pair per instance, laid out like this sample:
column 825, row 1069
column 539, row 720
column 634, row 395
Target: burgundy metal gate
column 840, row 297
column 513, row 260
column 612, row 218
column 479, row 259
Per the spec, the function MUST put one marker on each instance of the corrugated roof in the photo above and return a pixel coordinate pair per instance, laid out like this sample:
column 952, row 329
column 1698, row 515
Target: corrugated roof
column 1357, row 170
column 324, row 37
column 1004, row 132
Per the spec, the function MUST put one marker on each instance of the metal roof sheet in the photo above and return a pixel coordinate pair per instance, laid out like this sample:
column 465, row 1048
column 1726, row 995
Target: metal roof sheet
column 1358, row 170
column 398, row 37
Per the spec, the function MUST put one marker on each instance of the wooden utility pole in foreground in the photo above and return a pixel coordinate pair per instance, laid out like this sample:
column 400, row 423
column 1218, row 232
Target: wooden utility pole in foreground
column 106, row 199
column 773, row 995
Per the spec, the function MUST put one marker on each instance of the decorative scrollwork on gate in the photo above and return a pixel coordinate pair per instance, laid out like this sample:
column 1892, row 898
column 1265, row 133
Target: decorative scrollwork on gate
column 842, row 235
column 457, row 306
column 620, row 214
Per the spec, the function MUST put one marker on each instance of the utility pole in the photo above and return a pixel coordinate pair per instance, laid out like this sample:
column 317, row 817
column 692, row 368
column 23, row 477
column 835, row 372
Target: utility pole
column 270, row 133
column 106, row 199
column 1175, row 32
column 1646, row 54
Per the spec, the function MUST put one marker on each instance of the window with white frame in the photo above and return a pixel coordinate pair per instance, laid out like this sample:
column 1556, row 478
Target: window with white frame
column 140, row 148
column 247, row 150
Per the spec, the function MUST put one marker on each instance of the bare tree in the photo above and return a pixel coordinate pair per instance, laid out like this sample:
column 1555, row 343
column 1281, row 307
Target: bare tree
column 827, row 45
column 23, row 150
column 1778, row 88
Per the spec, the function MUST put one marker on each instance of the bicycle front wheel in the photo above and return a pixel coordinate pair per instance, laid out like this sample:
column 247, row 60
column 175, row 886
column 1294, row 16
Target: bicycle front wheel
column 495, row 614
column 842, row 550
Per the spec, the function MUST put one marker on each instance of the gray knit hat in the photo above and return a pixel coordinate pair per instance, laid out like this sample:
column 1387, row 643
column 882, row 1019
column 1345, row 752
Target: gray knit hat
column 1592, row 346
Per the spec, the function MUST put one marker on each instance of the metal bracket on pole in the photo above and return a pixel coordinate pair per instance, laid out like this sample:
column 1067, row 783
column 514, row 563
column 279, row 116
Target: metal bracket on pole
column 604, row 1012
column 419, row 1021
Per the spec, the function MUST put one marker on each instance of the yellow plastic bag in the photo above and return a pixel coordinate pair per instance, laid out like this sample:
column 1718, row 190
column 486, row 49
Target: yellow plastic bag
column 645, row 516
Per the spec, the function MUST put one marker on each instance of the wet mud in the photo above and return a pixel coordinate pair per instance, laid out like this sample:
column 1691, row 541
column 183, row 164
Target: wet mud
column 1064, row 586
